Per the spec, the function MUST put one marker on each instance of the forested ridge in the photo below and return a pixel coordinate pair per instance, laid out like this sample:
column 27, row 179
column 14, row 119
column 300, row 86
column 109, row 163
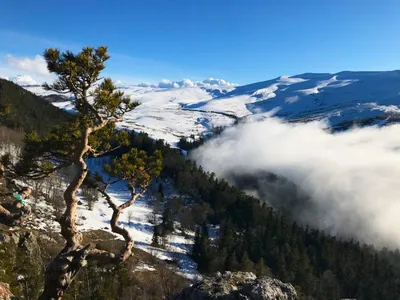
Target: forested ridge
column 21, row 109
column 255, row 237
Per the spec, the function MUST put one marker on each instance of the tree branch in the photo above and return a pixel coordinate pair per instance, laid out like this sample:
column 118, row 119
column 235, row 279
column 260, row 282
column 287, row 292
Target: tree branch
column 96, row 153
column 129, row 242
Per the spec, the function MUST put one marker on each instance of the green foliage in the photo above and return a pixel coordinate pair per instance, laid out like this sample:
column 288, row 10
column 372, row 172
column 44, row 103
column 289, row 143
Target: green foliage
column 21, row 269
column 5, row 110
column 43, row 152
column 260, row 268
column 193, row 142
column 167, row 224
column 202, row 251
column 136, row 167
column 246, row 264
column 77, row 73
column 92, row 131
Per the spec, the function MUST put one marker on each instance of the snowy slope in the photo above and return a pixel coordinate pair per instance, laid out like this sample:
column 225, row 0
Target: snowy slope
column 170, row 113
column 162, row 112
column 135, row 219
column 340, row 97
column 161, row 115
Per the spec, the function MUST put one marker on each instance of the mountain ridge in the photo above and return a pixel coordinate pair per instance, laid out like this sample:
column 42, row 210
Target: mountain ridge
column 342, row 99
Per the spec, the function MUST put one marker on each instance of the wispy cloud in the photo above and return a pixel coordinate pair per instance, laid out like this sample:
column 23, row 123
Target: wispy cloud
column 36, row 64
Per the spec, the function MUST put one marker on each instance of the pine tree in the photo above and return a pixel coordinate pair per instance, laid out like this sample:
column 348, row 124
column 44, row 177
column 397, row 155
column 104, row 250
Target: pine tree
column 226, row 239
column 196, row 245
column 202, row 251
column 231, row 263
column 260, row 268
column 155, row 240
column 167, row 222
column 161, row 190
column 92, row 132
column 246, row 264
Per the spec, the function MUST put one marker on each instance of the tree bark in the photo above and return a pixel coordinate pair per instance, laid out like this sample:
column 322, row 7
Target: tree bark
column 63, row 269
column 4, row 212
column 126, row 251
column 68, row 226
column 6, row 216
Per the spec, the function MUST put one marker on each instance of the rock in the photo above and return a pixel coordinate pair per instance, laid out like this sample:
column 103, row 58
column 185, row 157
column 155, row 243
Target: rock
column 238, row 285
column 4, row 238
column 15, row 237
column 25, row 240
column 5, row 293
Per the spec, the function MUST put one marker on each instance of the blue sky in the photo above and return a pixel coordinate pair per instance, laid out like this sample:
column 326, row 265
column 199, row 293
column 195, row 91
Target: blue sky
column 240, row 41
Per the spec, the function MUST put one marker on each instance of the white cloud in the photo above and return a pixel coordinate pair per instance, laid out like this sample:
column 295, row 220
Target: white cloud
column 36, row 68
column 23, row 80
column 207, row 83
column 351, row 178
column 36, row 65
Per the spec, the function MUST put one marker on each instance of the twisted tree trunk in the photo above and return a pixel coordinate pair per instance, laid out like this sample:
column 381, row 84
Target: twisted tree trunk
column 62, row 270
column 129, row 242
column 6, row 217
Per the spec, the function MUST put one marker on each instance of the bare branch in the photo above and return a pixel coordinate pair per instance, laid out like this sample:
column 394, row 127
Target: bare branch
column 96, row 153
column 130, row 202
column 129, row 243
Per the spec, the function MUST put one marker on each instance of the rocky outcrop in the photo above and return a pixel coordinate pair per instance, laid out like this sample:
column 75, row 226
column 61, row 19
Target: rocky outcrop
column 5, row 293
column 238, row 285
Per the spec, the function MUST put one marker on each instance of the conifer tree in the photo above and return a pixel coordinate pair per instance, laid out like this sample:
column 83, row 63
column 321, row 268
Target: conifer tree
column 230, row 262
column 202, row 251
column 155, row 240
column 167, row 222
column 260, row 268
column 246, row 264
column 161, row 191
column 92, row 132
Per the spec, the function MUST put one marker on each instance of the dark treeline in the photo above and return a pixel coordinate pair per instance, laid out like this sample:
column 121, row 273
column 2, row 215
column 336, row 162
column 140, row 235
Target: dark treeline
column 21, row 109
column 192, row 142
column 254, row 237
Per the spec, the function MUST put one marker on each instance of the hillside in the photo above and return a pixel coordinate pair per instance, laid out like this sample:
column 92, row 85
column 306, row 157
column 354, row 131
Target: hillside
column 343, row 99
column 246, row 235
column 25, row 110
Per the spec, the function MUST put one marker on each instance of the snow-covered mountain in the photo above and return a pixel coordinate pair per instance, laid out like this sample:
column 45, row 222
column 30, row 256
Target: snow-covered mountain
column 182, row 110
